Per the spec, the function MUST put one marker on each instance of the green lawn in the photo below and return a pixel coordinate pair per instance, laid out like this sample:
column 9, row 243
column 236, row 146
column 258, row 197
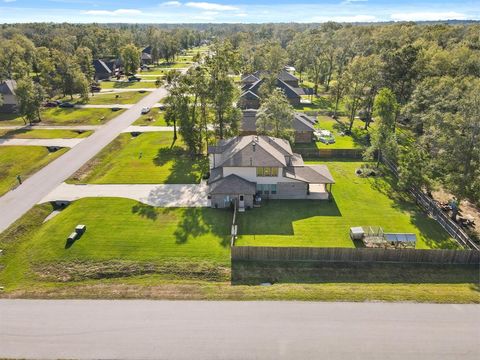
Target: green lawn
column 59, row 116
column 174, row 65
column 146, row 159
column 126, row 85
column 154, row 71
column 122, row 235
column 356, row 141
column 357, row 202
column 43, row 134
column 24, row 161
column 155, row 117
column 127, row 97
column 135, row 251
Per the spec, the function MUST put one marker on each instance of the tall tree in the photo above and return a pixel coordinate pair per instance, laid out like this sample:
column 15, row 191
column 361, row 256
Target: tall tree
column 275, row 116
column 30, row 97
column 130, row 56
column 383, row 137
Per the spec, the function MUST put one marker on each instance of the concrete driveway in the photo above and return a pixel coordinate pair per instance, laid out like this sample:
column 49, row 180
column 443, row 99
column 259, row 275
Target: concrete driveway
column 160, row 195
column 41, row 142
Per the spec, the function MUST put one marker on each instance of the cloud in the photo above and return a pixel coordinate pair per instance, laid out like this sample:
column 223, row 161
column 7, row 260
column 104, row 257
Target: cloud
column 118, row 12
column 346, row 2
column 171, row 3
column 345, row 19
column 428, row 16
column 211, row 6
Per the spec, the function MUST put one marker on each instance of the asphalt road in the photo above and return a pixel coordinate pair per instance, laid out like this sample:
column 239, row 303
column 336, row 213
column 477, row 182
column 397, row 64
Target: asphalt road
column 44, row 329
column 17, row 202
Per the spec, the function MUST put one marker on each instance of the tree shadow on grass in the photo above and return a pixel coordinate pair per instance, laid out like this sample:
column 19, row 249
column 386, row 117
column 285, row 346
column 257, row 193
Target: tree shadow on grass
column 256, row 272
column 146, row 211
column 185, row 168
column 196, row 222
column 432, row 234
column 276, row 217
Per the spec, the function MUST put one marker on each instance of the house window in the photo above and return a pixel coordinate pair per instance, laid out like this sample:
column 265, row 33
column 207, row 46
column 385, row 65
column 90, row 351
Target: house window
column 267, row 171
column 273, row 188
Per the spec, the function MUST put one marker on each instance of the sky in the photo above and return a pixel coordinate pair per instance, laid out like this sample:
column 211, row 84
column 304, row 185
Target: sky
column 240, row 11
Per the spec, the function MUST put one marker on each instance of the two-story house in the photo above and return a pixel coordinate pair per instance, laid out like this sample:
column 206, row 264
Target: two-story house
column 251, row 83
column 245, row 166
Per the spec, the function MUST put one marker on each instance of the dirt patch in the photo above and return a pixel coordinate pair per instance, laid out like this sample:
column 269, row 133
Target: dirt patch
column 466, row 208
column 88, row 270
column 83, row 173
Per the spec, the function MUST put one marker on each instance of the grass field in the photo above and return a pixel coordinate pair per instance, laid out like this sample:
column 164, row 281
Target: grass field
column 155, row 117
column 126, row 85
column 111, row 260
column 357, row 140
column 43, row 134
column 24, row 161
column 146, row 159
column 59, row 116
column 357, row 202
column 128, row 97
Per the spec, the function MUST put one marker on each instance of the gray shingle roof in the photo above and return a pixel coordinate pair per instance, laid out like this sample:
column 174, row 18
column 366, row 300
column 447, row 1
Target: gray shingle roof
column 253, row 151
column 284, row 75
column 8, row 87
column 100, row 67
column 314, row 174
column 233, row 185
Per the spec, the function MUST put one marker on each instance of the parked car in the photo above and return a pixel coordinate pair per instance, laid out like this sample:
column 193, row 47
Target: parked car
column 145, row 110
column 95, row 89
column 134, row 78
column 116, row 107
column 50, row 104
column 66, row 105
column 324, row 136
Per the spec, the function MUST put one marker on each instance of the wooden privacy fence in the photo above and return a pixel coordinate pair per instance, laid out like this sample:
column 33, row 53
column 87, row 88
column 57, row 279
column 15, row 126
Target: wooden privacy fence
column 432, row 208
column 260, row 253
column 330, row 153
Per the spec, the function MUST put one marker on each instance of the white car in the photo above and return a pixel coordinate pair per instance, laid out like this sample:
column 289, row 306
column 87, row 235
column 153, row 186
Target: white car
column 145, row 110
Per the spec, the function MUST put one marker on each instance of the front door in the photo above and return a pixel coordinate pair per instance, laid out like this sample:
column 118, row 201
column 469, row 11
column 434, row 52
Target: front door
column 241, row 201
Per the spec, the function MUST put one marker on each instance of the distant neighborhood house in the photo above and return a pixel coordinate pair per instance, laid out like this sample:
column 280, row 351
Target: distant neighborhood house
column 9, row 99
column 146, row 56
column 303, row 125
column 102, row 70
column 288, row 83
column 246, row 168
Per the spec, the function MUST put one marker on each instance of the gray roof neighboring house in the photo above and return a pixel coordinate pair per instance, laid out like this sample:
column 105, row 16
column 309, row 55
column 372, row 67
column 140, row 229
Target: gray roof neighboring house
column 301, row 122
column 250, row 95
column 8, row 87
column 146, row 56
column 314, row 174
column 284, row 75
column 232, row 185
column 101, row 67
column 250, row 78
